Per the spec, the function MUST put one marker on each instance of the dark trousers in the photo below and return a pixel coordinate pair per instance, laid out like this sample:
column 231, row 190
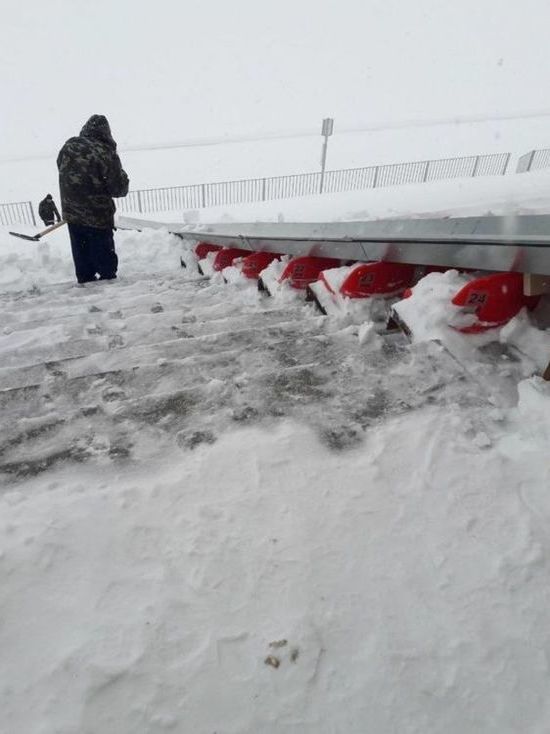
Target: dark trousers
column 48, row 222
column 93, row 253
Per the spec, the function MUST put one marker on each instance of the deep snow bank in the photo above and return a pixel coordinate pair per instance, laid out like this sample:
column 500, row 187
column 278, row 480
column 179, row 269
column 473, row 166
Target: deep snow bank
column 26, row 264
column 465, row 197
column 409, row 579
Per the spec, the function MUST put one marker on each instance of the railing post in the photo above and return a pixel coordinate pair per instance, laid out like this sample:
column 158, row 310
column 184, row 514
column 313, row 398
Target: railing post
column 375, row 177
column 32, row 214
column 476, row 164
column 263, row 189
column 508, row 156
column 426, row 171
column 139, row 201
column 530, row 162
column 203, row 196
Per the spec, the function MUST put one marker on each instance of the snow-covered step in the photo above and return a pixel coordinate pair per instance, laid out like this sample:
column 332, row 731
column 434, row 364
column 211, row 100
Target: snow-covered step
column 340, row 405
column 97, row 348
column 103, row 296
column 140, row 328
column 75, row 324
column 183, row 358
column 35, row 442
column 71, row 290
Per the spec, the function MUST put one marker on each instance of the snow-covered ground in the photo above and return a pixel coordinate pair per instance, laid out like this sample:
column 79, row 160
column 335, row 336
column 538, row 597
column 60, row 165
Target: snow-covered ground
column 224, row 513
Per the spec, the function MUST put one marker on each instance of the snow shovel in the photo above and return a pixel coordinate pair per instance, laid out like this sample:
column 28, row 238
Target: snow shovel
column 36, row 237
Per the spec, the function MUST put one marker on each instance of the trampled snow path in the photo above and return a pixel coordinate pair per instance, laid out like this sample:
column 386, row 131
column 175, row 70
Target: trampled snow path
column 197, row 480
column 116, row 369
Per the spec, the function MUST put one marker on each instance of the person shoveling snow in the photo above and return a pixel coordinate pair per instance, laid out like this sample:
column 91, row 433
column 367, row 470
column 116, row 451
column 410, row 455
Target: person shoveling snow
column 90, row 175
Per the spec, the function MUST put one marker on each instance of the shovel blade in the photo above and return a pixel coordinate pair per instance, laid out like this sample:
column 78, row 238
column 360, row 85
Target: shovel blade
column 31, row 238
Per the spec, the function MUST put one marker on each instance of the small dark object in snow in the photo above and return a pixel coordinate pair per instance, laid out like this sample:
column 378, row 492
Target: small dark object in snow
column 244, row 414
column 294, row 654
column 94, row 309
column 95, row 330
column 341, row 438
column 278, row 643
column 157, row 308
column 119, row 452
column 194, row 439
column 115, row 341
column 273, row 661
column 111, row 394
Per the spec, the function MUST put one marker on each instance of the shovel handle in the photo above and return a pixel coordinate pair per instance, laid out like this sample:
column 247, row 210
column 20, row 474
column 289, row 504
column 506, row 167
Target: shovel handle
column 50, row 229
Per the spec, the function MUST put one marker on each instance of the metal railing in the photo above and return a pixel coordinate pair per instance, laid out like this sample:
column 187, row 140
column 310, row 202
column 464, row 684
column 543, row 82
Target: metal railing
column 199, row 196
column 18, row 212
column 534, row 160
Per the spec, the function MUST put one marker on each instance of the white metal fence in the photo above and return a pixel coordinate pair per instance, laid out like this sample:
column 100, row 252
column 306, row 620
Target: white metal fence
column 18, row 212
column 534, row 160
column 198, row 196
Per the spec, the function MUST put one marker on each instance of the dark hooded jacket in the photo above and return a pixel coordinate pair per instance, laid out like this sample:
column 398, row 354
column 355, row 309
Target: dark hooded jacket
column 47, row 210
column 90, row 174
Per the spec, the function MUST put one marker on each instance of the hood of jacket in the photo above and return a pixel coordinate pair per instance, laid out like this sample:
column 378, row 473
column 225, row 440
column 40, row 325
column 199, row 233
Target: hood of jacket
column 98, row 128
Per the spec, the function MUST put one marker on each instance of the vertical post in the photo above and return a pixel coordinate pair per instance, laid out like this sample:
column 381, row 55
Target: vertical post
column 326, row 131
column 139, row 201
column 323, row 164
column 476, row 164
column 426, row 171
column 32, row 214
column 203, row 196
column 263, row 189
column 530, row 162
column 508, row 156
column 375, row 177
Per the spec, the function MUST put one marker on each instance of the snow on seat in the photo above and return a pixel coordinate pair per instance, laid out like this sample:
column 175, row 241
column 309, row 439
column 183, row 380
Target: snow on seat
column 301, row 271
column 382, row 279
column 252, row 265
column 225, row 257
column 375, row 280
column 203, row 248
column 217, row 260
column 492, row 300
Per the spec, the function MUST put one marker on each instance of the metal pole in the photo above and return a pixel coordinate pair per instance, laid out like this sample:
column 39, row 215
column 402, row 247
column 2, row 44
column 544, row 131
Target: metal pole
column 476, row 165
column 139, row 201
column 323, row 164
column 425, row 178
column 326, row 131
column 203, row 195
column 32, row 214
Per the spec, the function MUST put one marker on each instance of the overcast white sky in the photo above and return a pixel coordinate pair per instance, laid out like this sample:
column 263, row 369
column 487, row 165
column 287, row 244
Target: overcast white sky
column 167, row 70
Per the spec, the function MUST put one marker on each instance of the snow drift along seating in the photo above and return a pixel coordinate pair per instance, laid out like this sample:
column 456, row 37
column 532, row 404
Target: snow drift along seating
column 301, row 271
column 203, row 248
column 254, row 264
column 377, row 279
column 495, row 299
column 226, row 255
